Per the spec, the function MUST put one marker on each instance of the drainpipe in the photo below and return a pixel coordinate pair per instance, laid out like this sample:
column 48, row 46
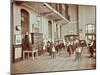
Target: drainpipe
column 77, row 13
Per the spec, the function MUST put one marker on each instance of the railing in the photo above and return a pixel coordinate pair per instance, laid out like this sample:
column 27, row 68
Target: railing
column 62, row 9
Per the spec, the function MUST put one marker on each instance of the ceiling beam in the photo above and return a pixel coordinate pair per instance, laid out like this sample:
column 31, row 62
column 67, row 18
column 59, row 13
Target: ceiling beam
column 46, row 13
column 57, row 20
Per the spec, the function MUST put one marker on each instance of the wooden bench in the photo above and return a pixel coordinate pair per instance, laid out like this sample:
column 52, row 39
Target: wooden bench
column 28, row 52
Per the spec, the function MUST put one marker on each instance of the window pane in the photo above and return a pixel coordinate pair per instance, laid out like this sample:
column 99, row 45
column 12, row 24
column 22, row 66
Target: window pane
column 90, row 28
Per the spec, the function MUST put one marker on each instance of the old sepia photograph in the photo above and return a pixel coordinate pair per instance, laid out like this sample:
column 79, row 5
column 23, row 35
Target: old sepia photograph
column 52, row 37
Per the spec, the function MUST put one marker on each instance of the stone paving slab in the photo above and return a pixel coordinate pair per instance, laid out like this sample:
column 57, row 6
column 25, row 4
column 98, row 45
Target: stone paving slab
column 61, row 62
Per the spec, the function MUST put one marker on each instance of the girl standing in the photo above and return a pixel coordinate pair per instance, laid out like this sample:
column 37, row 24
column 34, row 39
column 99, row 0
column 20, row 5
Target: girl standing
column 78, row 53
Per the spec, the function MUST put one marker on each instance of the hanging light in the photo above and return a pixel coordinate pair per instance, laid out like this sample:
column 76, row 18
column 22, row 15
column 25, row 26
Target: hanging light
column 38, row 17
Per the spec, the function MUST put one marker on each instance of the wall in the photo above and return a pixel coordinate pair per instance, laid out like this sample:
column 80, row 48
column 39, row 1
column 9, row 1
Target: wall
column 33, row 23
column 45, row 28
column 72, row 25
column 16, row 18
column 86, row 16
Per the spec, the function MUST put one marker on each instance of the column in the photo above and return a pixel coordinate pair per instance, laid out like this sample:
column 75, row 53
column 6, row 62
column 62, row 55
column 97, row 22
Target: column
column 59, row 31
column 53, row 31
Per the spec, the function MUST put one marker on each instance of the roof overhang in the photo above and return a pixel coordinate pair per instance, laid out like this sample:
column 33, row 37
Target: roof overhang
column 46, row 10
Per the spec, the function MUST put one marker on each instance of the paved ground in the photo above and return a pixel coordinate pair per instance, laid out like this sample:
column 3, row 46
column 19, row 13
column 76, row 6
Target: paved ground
column 61, row 62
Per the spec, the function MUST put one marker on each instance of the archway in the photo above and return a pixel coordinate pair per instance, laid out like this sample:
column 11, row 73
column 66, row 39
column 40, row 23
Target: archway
column 24, row 21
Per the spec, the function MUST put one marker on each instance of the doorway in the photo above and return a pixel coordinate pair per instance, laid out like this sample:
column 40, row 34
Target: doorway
column 24, row 21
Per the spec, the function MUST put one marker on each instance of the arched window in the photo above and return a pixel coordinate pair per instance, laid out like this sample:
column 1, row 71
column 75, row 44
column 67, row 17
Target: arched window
column 50, row 29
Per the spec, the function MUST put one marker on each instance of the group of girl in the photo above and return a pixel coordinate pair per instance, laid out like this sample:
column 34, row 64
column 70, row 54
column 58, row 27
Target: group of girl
column 69, row 47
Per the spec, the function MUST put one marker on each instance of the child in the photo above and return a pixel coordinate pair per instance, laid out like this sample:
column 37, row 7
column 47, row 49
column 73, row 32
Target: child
column 78, row 53
column 44, row 47
column 53, row 51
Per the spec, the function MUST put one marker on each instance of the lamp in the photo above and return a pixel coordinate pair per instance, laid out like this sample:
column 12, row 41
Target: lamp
column 38, row 17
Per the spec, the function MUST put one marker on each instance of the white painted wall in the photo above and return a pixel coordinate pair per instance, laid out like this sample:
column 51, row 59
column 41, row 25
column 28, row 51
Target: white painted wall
column 66, row 29
column 45, row 28
column 72, row 25
column 16, row 18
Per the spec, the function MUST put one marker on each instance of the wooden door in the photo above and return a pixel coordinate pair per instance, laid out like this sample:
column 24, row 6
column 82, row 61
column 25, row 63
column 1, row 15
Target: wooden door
column 24, row 21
